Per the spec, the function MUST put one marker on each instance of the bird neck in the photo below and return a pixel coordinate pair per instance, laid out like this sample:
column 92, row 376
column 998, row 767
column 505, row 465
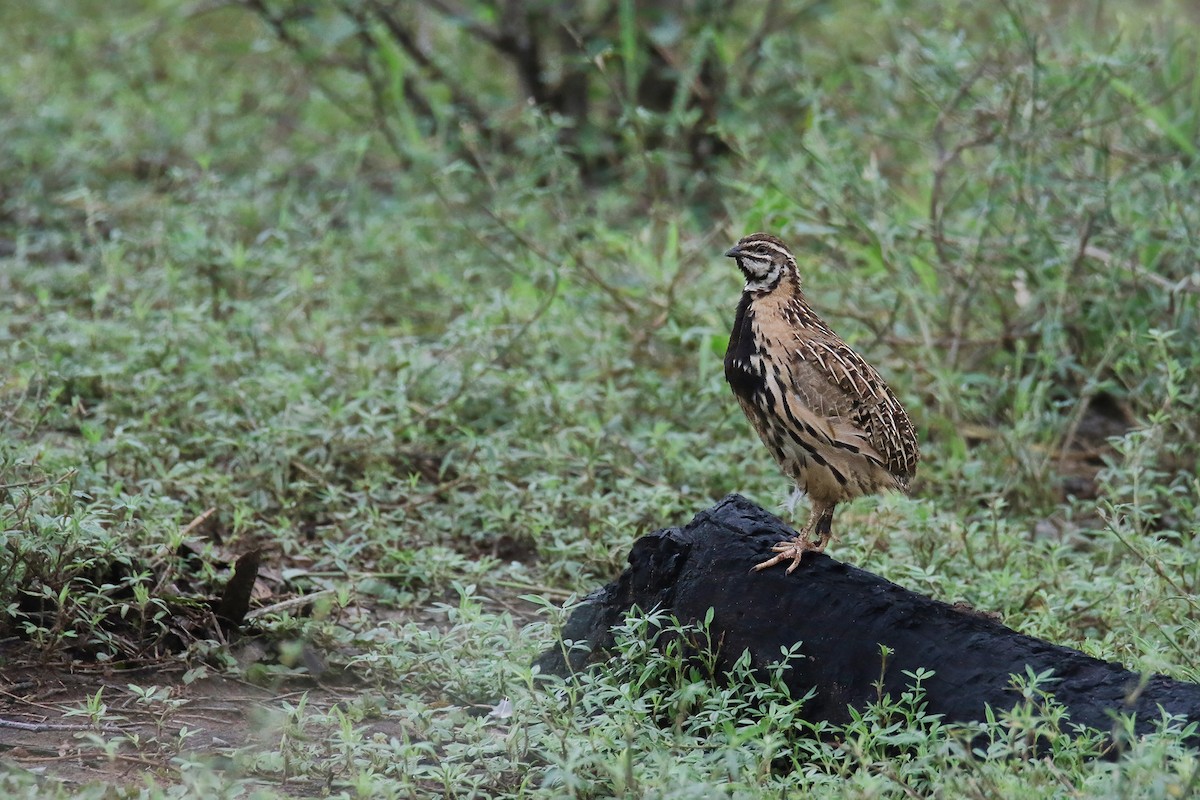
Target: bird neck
column 784, row 288
column 787, row 303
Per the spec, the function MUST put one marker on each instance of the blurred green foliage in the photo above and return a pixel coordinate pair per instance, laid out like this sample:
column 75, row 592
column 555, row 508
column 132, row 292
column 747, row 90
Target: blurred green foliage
column 433, row 332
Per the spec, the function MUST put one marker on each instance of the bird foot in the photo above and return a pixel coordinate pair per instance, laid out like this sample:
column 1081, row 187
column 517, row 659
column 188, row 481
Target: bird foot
column 793, row 549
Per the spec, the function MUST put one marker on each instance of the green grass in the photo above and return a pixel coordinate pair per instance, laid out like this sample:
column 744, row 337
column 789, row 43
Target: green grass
column 447, row 385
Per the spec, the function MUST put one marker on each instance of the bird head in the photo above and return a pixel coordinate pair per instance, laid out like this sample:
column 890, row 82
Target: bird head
column 763, row 259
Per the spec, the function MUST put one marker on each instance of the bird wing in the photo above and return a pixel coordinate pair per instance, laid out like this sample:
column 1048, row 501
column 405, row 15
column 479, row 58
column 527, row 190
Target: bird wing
column 860, row 411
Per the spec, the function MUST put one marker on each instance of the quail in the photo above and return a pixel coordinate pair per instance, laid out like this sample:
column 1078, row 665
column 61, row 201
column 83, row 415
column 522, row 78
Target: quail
column 833, row 425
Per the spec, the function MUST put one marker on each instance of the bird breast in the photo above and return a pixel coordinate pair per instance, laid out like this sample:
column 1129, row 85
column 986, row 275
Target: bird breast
column 798, row 414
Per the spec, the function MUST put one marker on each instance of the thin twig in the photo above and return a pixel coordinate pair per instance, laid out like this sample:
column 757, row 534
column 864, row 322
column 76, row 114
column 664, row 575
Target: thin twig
column 1188, row 283
column 41, row 727
column 22, row 484
column 200, row 519
column 285, row 605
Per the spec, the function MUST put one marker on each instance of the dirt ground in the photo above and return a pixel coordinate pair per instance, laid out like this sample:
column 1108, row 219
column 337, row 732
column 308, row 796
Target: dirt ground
column 44, row 727
column 150, row 717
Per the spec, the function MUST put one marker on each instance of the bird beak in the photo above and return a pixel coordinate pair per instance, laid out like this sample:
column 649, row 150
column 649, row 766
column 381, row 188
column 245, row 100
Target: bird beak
column 733, row 252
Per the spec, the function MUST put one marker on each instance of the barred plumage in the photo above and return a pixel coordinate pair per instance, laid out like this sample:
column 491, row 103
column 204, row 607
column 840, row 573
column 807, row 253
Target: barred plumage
column 827, row 417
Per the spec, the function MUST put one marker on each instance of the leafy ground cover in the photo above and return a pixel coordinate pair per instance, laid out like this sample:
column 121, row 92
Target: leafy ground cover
column 441, row 376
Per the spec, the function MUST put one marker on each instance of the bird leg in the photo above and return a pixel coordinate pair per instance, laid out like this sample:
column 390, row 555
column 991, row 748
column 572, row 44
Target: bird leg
column 824, row 527
column 820, row 521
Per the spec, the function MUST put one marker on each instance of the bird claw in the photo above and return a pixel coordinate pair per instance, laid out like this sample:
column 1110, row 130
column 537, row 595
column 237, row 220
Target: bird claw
column 793, row 549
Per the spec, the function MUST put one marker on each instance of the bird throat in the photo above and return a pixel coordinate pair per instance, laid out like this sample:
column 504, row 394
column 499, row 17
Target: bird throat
column 764, row 283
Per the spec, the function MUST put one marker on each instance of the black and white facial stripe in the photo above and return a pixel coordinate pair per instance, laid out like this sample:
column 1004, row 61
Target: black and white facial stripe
column 762, row 258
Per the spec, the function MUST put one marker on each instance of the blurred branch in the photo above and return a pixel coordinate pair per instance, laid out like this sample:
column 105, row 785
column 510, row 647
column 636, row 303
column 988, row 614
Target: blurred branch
column 514, row 39
column 938, row 201
column 947, row 156
column 378, row 91
column 667, row 97
column 407, row 41
column 279, row 25
column 753, row 50
column 463, row 20
column 1188, row 283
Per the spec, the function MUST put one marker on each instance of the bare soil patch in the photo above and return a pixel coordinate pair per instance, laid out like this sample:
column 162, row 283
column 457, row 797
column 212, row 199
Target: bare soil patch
column 45, row 727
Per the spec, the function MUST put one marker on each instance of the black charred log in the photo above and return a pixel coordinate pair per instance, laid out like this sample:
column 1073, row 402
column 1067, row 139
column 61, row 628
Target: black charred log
column 842, row 615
